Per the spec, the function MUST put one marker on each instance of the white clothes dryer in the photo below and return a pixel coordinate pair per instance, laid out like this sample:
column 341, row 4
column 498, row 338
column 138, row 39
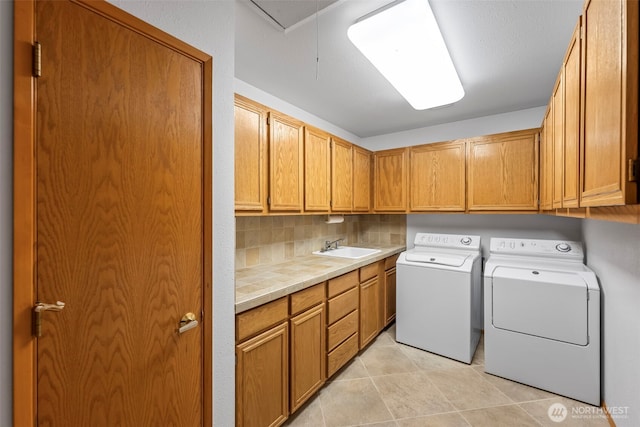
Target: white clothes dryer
column 542, row 317
column 438, row 295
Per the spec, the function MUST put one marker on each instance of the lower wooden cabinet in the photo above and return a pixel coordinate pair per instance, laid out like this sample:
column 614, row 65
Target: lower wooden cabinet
column 369, row 310
column 342, row 320
column 389, row 295
column 307, row 354
column 389, row 290
column 262, row 379
column 286, row 349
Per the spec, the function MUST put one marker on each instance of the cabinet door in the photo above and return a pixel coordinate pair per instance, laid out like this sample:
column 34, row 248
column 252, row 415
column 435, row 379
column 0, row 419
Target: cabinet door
column 502, row 172
column 610, row 102
column 250, row 156
column 369, row 310
column 571, row 75
column 317, row 170
column 285, row 163
column 390, row 295
column 546, row 160
column 262, row 379
column 558, row 142
column 361, row 180
column 307, row 355
column 437, row 177
column 341, row 176
column 390, row 180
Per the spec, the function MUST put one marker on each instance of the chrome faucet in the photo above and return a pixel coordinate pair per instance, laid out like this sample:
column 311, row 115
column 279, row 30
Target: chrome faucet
column 329, row 243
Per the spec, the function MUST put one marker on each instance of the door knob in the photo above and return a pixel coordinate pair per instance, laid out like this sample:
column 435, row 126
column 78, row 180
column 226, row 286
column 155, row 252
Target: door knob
column 37, row 311
column 187, row 322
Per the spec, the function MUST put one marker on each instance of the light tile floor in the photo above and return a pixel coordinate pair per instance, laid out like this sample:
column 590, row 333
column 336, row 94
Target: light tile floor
column 393, row 385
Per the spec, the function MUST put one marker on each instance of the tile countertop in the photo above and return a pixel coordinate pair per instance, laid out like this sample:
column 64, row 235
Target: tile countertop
column 265, row 283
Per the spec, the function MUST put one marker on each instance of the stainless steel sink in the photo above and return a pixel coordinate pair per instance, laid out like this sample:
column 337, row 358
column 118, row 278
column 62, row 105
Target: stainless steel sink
column 350, row 252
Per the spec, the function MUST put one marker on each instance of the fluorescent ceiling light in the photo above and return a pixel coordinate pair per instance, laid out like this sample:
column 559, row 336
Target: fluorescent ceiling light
column 404, row 43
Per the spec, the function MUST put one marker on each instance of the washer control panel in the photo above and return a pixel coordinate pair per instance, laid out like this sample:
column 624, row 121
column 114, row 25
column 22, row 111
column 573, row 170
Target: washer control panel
column 454, row 241
column 537, row 247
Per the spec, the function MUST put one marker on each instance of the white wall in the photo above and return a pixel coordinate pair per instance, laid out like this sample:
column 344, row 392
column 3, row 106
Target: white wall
column 487, row 226
column 209, row 26
column 262, row 97
column 6, row 211
column 613, row 253
column 517, row 120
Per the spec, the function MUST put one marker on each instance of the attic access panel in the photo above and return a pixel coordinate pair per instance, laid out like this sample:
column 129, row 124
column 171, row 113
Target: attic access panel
column 286, row 13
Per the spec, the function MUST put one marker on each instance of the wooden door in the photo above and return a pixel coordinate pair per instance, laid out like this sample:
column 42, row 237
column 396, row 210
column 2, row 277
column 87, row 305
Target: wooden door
column 317, row 170
column 558, row 142
column 390, row 180
column 571, row 74
column 609, row 102
column 307, row 354
column 437, row 177
column 262, row 379
column 285, row 163
column 341, row 176
column 122, row 212
column 250, row 146
column 502, row 172
column 361, row 180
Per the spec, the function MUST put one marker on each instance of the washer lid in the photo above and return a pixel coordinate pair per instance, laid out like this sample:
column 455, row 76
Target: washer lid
column 547, row 304
column 451, row 260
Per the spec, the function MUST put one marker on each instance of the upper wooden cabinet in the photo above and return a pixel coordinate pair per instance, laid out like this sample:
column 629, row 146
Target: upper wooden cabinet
column 546, row 160
column 341, row 175
column 502, row 172
column 250, row 156
column 390, row 180
column 286, row 177
column 361, row 180
column 571, row 122
column 609, row 102
column 317, row 170
column 558, row 141
column 437, row 177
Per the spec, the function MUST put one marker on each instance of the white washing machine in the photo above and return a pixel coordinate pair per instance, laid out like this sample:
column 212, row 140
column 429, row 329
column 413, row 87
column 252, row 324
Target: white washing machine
column 542, row 317
column 438, row 295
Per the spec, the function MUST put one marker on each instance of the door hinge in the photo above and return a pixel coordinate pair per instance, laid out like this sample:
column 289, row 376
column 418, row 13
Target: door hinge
column 37, row 59
column 634, row 170
column 268, row 120
column 269, row 200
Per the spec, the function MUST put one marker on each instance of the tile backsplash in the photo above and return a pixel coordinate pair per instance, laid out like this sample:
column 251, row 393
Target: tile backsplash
column 272, row 239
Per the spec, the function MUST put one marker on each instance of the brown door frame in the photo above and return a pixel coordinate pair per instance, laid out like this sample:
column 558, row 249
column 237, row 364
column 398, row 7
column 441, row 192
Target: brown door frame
column 24, row 212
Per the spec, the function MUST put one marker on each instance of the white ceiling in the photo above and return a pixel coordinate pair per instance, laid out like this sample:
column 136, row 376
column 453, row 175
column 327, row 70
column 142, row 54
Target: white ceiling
column 507, row 53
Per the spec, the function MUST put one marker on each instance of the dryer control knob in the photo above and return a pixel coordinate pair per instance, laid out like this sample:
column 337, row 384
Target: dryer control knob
column 563, row 247
column 465, row 240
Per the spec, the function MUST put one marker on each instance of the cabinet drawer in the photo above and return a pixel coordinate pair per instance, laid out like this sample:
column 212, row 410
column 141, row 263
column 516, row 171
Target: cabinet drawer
column 342, row 329
column 307, row 298
column 390, row 262
column 342, row 354
column 260, row 318
column 369, row 271
column 342, row 283
column 342, row 304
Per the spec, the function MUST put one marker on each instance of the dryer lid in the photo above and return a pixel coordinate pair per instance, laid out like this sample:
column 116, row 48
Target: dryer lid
column 451, row 260
column 547, row 304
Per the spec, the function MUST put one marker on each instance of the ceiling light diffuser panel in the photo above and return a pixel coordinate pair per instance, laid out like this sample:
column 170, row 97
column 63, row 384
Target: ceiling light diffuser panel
column 403, row 41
